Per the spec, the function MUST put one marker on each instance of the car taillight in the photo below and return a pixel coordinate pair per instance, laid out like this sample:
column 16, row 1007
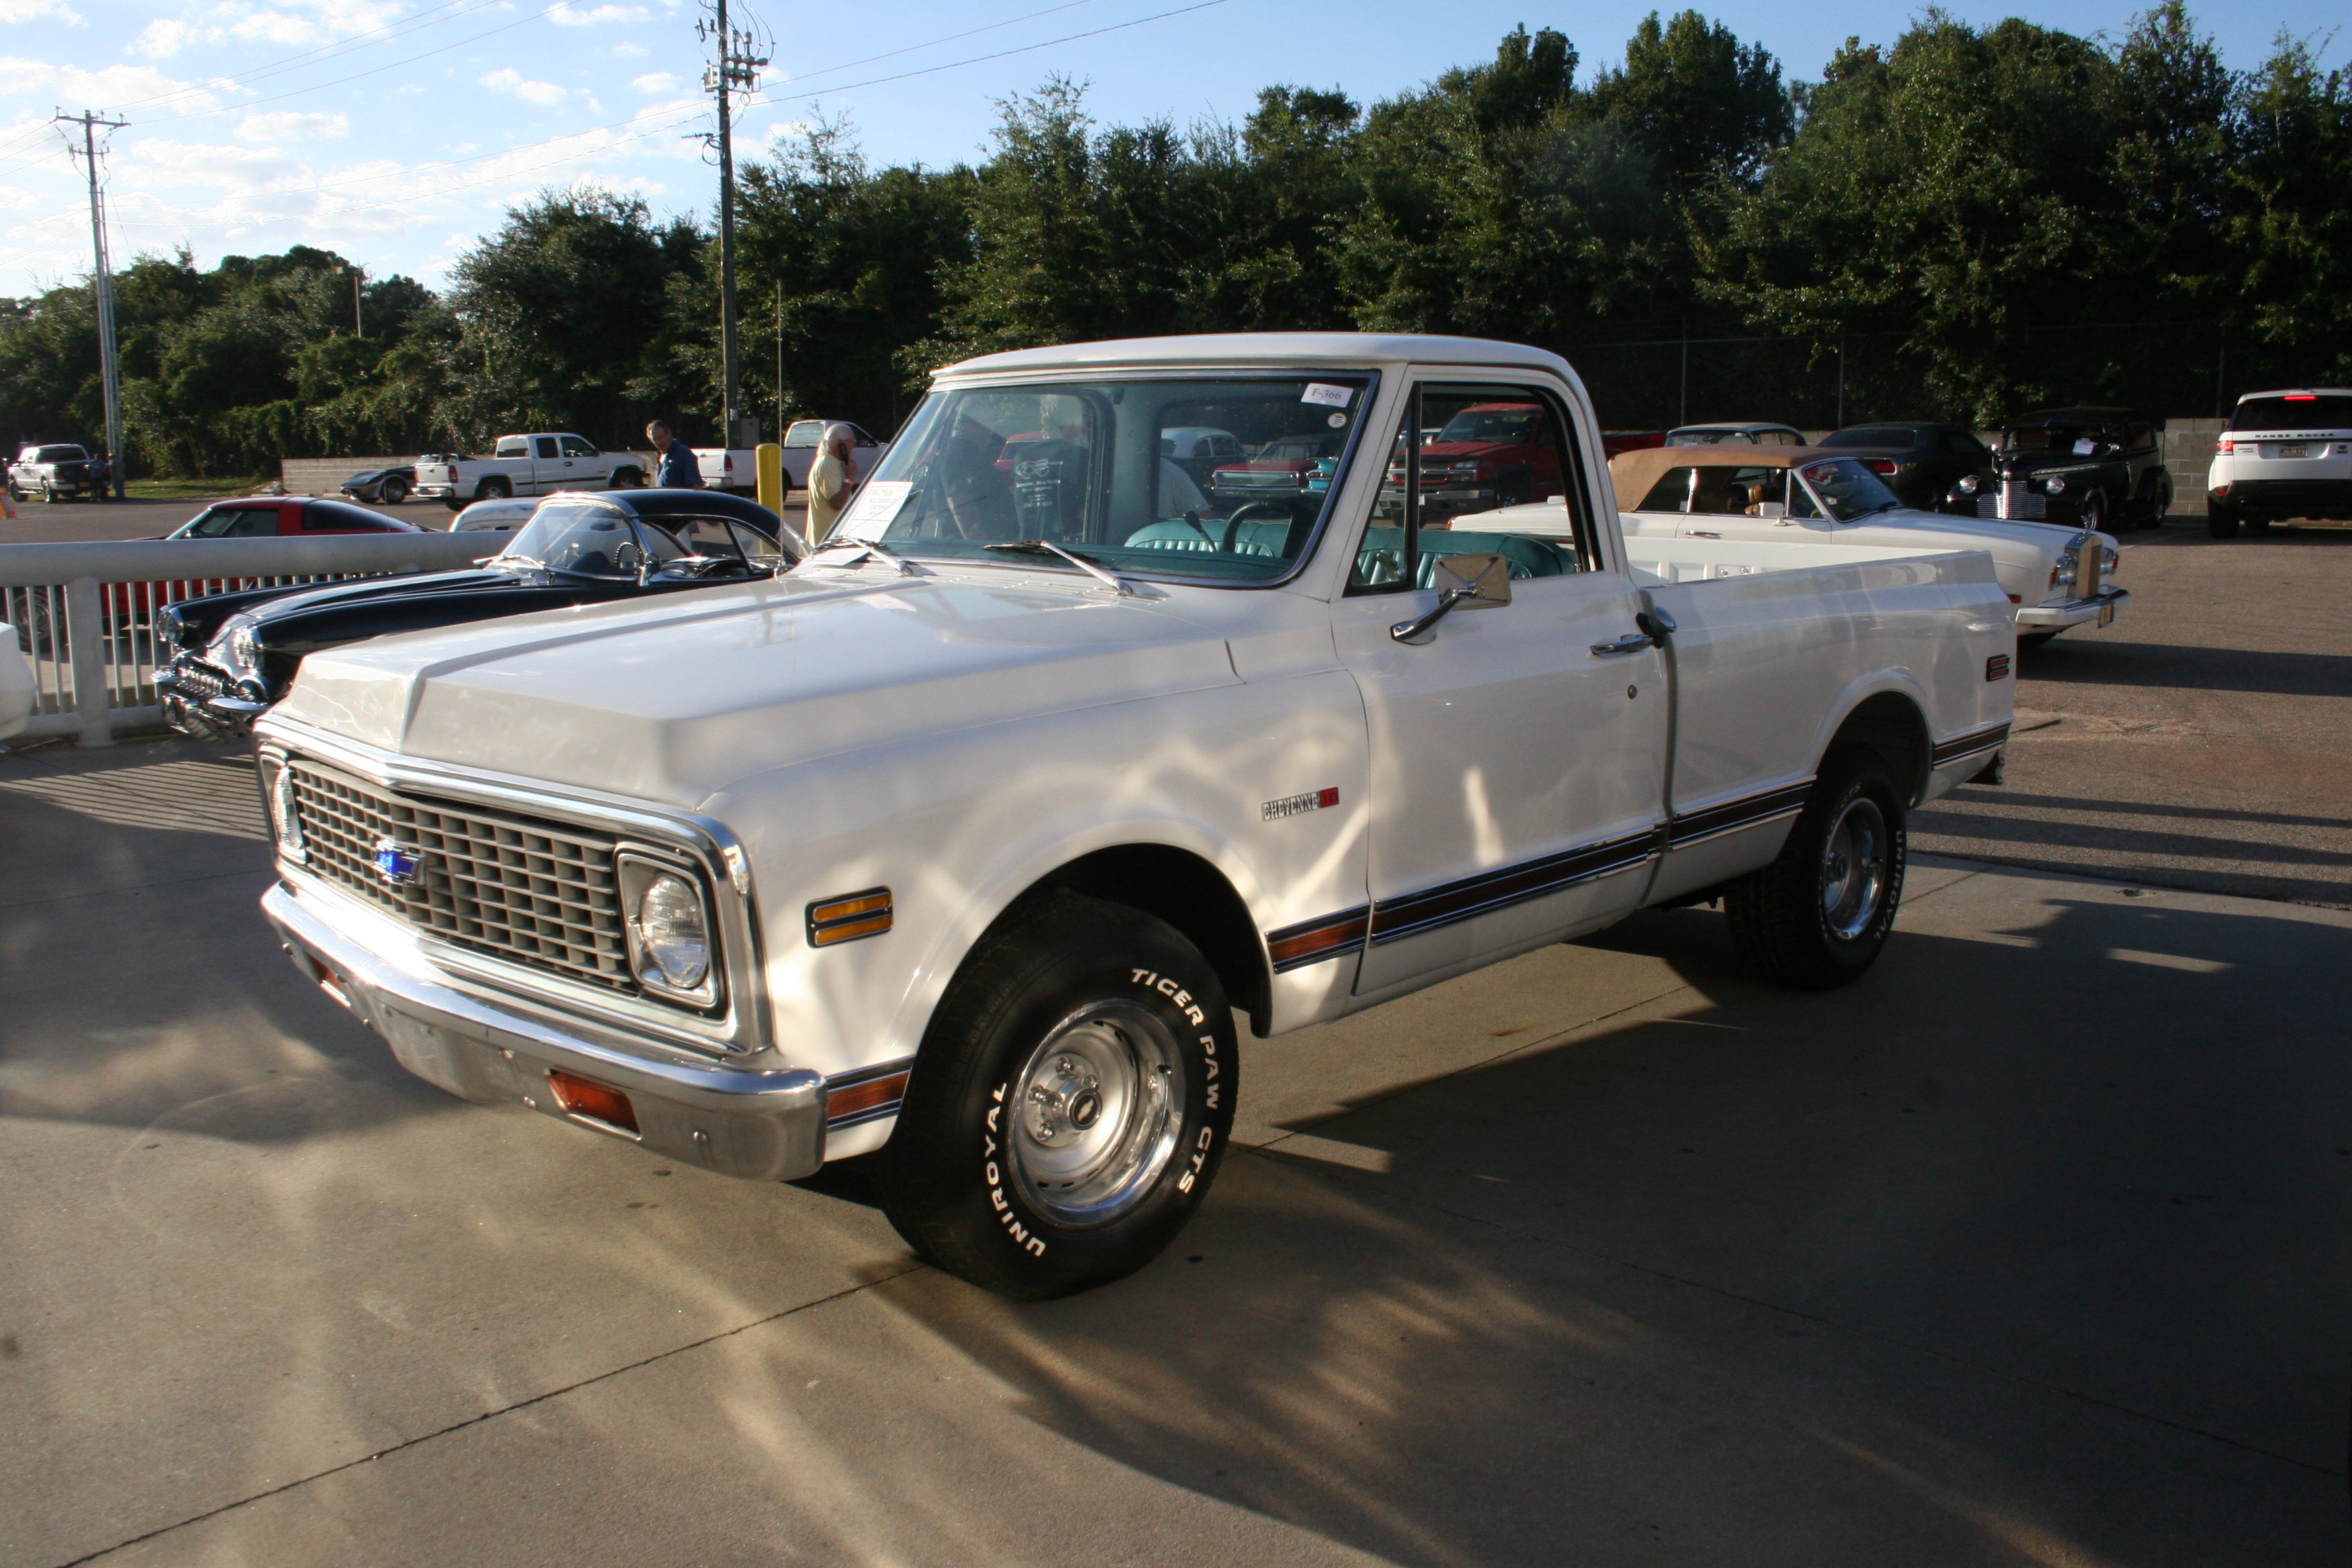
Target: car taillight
column 730, row 462
column 2225, row 445
column 1879, row 465
column 2302, row 397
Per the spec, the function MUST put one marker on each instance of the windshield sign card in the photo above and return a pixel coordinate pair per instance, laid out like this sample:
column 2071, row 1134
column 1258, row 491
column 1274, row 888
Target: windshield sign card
column 877, row 502
column 1327, row 395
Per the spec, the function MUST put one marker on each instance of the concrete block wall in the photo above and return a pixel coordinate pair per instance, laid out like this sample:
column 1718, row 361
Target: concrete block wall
column 320, row 476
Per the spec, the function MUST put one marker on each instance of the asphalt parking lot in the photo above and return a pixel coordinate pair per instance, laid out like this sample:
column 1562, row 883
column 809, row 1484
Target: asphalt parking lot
column 2026, row 1250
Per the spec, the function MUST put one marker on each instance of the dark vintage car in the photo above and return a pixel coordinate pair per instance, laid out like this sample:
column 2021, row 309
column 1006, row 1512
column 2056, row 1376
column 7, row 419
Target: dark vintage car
column 2094, row 467
column 386, row 487
column 1930, row 467
column 239, row 652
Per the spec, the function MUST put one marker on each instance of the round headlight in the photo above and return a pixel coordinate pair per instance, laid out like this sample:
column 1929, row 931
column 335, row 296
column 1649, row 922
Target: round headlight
column 675, row 935
column 1968, row 485
column 2053, row 486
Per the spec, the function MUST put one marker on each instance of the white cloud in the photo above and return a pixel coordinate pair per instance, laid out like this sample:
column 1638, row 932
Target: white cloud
column 161, row 38
column 655, row 82
column 291, row 127
column 99, row 89
column 507, row 80
column 564, row 16
column 278, row 28
column 630, row 51
column 27, row 10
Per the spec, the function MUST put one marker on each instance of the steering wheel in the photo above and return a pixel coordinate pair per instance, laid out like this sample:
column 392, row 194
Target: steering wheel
column 628, row 556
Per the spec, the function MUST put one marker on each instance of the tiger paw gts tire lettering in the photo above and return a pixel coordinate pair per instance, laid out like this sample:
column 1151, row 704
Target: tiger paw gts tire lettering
column 1070, row 1104
column 1819, row 916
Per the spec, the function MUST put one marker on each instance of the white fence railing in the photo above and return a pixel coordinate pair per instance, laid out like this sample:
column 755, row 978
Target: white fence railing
column 84, row 613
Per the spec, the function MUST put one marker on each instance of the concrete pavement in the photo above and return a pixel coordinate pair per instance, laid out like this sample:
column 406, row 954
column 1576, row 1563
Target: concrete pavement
column 2025, row 1250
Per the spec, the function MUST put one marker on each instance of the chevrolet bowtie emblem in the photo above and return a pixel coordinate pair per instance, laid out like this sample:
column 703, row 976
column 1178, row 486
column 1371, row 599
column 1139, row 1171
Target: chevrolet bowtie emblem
column 395, row 862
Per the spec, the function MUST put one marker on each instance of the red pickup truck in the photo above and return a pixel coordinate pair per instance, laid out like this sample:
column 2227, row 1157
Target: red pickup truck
column 1490, row 455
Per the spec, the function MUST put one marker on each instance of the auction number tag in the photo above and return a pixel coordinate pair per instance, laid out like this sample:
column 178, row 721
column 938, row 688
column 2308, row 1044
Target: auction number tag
column 1327, row 395
column 877, row 502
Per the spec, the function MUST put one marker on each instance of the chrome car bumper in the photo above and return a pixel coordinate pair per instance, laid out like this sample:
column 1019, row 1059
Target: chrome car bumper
column 761, row 1126
column 2099, row 608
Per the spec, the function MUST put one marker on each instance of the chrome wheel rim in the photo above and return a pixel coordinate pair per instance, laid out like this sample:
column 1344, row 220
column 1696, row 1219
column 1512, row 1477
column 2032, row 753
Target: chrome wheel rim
column 1095, row 1114
column 1853, row 869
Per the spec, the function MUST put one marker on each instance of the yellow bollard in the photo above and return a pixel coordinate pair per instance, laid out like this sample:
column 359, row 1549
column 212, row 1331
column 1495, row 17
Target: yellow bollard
column 770, row 463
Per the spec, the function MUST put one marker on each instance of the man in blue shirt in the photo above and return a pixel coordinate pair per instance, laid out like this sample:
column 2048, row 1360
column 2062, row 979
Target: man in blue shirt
column 678, row 470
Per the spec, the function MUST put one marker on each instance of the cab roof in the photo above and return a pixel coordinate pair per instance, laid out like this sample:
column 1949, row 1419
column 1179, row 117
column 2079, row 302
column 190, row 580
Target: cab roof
column 1290, row 351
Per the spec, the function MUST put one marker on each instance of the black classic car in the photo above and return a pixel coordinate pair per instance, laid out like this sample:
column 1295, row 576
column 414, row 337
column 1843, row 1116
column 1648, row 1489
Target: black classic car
column 237, row 653
column 1930, row 467
column 2094, row 467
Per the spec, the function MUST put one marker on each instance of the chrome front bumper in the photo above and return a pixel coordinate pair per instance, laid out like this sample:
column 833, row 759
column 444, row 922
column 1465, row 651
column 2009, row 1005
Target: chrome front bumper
column 2071, row 612
column 761, row 1126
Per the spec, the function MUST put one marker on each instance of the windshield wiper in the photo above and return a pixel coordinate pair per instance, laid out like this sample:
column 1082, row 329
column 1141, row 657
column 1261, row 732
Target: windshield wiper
column 1047, row 547
column 905, row 567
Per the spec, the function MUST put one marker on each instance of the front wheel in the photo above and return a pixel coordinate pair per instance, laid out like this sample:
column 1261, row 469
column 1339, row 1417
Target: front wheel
column 626, row 480
column 1070, row 1104
column 1820, row 915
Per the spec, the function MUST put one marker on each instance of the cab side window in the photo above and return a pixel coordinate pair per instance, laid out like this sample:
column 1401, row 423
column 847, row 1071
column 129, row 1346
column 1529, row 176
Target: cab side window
column 1463, row 452
column 546, row 447
column 573, row 446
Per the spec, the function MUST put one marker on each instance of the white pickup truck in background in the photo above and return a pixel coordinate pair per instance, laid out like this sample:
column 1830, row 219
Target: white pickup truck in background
column 537, row 464
column 736, row 467
column 962, row 844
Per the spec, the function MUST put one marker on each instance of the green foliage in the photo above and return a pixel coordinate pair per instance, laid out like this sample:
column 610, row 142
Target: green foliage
column 1962, row 204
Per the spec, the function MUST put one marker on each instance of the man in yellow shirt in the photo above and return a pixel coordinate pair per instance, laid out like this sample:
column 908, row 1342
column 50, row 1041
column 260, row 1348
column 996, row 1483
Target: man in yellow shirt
column 830, row 479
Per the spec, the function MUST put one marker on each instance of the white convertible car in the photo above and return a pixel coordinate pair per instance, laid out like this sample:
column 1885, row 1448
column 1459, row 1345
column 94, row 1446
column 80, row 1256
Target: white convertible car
column 1767, row 495
column 964, row 842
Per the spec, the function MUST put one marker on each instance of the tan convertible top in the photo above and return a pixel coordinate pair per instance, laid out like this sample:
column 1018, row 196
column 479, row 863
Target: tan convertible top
column 1635, row 474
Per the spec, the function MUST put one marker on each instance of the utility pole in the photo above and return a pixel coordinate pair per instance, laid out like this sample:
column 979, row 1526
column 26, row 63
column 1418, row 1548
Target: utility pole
column 109, row 364
column 738, row 69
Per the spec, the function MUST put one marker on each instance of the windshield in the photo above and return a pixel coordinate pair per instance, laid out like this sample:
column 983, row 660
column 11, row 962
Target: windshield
column 233, row 522
column 1848, row 489
column 2294, row 411
column 1706, row 438
column 1080, row 464
column 596, row 540
column 1514, row 424
column 2069, row 440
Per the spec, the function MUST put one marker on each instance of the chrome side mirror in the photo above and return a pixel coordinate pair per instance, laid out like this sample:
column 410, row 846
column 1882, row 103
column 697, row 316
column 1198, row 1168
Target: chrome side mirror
column 1775, row 509
column 1462, row 583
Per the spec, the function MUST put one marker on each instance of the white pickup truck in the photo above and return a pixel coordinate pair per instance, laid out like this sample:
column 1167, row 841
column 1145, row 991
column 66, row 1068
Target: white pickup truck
column 737, row 468
column 966, row 841
column 537, row 464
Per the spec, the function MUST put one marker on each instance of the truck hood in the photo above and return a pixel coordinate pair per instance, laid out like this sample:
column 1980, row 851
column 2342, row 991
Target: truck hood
column 672, row 700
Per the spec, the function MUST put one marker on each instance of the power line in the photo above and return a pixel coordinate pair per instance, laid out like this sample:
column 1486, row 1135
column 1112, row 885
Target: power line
column 952, row 38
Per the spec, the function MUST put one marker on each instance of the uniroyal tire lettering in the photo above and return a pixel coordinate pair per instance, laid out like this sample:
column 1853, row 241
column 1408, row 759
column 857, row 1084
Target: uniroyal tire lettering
column 994, row 1177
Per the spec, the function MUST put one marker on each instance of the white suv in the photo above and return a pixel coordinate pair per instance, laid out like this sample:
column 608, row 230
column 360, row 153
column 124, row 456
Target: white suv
column 2285, row 454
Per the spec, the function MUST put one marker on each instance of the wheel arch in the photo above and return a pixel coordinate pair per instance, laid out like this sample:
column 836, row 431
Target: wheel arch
column 1891, row 724
column 1189, row 893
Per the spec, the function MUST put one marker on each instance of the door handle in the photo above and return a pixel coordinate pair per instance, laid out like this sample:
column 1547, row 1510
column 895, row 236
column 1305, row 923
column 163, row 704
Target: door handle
column 1632, row 642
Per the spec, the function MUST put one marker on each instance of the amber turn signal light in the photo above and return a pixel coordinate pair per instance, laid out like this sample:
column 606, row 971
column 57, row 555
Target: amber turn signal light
column 596, row 1102
column 849, row 917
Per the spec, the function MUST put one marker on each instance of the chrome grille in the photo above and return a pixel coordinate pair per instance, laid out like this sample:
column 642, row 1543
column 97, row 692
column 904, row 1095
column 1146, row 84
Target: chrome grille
column 2017, row 501
column 539, row 893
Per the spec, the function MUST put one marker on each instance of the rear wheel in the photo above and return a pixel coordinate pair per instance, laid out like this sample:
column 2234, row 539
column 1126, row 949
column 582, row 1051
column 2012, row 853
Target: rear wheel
column 2157, row 501
column 494, row 489
column 2220, row 520
column 1820, row 915
column 395, row 492
column 1070, row 1104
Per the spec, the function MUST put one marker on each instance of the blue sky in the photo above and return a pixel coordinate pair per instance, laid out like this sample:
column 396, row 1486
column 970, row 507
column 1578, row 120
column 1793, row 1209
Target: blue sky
column 396, row 132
